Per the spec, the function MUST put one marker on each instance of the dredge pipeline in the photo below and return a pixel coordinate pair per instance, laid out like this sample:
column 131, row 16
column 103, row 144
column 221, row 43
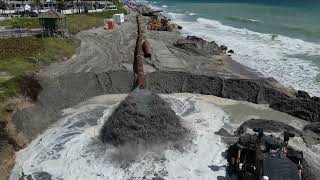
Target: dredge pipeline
column 139, row 55
column 143, row 117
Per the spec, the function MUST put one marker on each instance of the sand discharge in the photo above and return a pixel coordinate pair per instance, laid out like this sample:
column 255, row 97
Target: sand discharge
column 143, row 117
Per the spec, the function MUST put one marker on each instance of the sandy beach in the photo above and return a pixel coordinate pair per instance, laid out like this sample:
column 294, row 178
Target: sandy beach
column 100, row 75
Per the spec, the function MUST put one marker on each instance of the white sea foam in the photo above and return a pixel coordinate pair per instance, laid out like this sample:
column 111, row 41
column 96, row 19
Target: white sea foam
column 175, row 15
column 274, row 56
column 70, row 149
column 154, row 7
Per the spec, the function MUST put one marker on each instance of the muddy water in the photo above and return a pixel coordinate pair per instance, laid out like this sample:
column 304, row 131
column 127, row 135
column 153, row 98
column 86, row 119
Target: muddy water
column 71, row 148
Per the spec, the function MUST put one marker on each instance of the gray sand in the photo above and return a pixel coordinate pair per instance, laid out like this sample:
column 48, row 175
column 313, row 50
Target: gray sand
column 102, row 50
column 103, row 65
column 143, row 117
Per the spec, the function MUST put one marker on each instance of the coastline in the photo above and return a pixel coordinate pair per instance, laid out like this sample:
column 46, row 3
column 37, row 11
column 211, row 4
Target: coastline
column 235, row 67
column 108, row 56
column 289, row 59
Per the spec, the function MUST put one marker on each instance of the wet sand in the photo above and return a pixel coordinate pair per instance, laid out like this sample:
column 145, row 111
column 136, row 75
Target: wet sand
column 103, row 50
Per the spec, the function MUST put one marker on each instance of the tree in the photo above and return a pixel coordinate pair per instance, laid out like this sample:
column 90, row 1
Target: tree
column 37, row 4
column 61, row 5
column 3, row 5
column 116, row 2
column 78, row 6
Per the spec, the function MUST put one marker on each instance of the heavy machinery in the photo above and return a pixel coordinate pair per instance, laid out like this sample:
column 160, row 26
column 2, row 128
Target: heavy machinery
column 154, row 24
column 261, row 157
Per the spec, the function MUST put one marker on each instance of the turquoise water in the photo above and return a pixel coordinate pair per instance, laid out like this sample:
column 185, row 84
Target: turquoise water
column 279, row 38
column 298, row 20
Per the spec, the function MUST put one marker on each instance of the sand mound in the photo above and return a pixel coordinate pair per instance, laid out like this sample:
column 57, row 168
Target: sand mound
column 143, row 117
column 199, row 46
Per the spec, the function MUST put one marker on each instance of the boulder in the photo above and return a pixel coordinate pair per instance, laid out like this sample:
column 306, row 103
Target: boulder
column 317, row 99
column 231, row 51
column 314, row 127
column 303, row 94
column 224, row 48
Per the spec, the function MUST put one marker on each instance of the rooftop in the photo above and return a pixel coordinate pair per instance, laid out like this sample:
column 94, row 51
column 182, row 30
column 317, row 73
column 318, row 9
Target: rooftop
column 51, row 14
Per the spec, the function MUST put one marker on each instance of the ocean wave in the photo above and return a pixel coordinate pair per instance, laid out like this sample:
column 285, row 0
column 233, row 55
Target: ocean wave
column 154, row 7
column 272, row 55
column 175, row 15
column 244, row 20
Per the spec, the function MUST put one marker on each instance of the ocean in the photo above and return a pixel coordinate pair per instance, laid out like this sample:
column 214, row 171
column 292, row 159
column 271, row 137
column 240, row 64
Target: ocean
column 278, row 38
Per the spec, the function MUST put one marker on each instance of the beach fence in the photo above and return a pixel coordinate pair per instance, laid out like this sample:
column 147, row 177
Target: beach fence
column 20, row 32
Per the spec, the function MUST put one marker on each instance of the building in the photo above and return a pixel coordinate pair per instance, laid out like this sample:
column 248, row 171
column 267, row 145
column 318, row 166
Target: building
column 20, row 4
column 49, row 4
column 69, row 7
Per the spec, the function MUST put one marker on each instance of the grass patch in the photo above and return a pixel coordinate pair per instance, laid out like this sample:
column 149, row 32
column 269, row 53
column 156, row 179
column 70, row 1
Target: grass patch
column 27, row 54
column 17, row 47
column 80, row 22
column 76, row 22
column 9, row 88
column 21, row 22
column 18, row 55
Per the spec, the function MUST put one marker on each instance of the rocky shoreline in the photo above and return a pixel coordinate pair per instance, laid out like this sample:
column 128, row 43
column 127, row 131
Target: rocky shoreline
column 103, row 65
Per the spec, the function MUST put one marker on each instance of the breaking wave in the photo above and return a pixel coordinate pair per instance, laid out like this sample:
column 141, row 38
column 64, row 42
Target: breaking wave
column 244, row 20
column 280, row 57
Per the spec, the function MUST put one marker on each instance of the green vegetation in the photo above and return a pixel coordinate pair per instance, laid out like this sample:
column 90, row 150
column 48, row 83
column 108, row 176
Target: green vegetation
column 80, row 22
column 21, row 22
column 18, row 55
column 9, row 88
column 76, row 22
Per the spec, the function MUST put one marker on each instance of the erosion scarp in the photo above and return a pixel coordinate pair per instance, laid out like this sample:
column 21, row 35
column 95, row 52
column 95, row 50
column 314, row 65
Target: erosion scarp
column 306, row 109
column 58, row 93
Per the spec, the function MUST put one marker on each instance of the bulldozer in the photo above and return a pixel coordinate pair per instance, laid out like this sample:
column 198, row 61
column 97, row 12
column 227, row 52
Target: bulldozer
column 261, row 157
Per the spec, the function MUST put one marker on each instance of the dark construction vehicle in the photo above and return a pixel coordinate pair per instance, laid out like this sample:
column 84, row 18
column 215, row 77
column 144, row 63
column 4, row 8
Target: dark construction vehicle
column 261, row 157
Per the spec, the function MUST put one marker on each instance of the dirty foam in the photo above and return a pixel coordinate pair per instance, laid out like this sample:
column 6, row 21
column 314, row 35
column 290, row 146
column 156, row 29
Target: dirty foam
column 70, row 149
